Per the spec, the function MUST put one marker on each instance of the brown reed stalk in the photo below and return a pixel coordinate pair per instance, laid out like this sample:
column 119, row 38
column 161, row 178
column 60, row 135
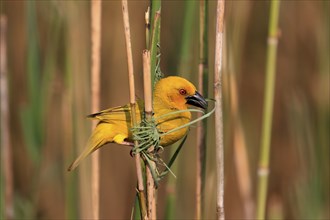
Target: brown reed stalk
column 151, row 191
column 240, row 152
column 233, row 44
column 220, row 212
column 200, row 152
column 132, row 105
column 147, row 23
column 95, row 98
column 4, row 119
column 201, row 125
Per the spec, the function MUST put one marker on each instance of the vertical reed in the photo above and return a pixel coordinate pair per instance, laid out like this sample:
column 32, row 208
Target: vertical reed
column 67, row 121
column 132, row 105
column 78, row 74
column 185, row 56
column 154, row 46
column 32, row 113
column 151, row 191
column 155, row 6
column 220, row 212
column 6, row 153
column 31, row 116
column 147, row 26
column 150, row 59
column 235, row 30
column 185, row 53
column 201, row 125
column 240, row 152
column 263, row 170
column 95, row 97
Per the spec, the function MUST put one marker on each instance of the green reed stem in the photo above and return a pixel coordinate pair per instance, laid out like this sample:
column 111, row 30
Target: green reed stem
column 268, row 109
column 155, row 41
column 187, row 39
column 202, row 125
column 184, row 69
column 155, row 5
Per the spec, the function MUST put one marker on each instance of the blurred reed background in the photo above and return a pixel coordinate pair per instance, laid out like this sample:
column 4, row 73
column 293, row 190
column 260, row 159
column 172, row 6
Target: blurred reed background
column 48, row 44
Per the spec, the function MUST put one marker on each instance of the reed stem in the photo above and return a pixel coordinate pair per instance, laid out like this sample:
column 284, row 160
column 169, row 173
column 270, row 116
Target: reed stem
column 155, row 6
column 240, row 152
column 233, row 44
column 95, row 97
column 147, row 24
column 78, row 76
column 151, row 191
column 6, row 153
column 185, row 57
column 154, row 46
column 263, row 170
column 220, row 212
column 132, row 105
column 201, row 125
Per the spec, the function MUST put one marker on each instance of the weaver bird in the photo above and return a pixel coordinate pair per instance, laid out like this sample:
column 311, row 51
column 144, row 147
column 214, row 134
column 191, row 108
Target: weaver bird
column 170, row 95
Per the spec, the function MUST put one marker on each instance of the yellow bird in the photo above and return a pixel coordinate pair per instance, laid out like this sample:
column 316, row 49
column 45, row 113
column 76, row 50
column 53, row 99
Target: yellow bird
column 170, row 95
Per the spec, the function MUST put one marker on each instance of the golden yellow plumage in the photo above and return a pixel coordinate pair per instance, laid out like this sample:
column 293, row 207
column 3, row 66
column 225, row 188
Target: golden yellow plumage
column 171, row 94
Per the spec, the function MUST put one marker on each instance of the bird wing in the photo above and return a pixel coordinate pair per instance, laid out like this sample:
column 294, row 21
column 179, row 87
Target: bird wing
column 119, row 113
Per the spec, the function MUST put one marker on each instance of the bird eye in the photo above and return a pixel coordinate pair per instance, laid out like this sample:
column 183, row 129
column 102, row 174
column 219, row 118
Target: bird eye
column 183, row 92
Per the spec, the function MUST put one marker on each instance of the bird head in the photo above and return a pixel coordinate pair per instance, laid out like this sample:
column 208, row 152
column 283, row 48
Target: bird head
column 177, row 93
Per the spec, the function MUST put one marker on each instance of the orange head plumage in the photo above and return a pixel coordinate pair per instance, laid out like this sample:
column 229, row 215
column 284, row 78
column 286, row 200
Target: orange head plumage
column 176, row 93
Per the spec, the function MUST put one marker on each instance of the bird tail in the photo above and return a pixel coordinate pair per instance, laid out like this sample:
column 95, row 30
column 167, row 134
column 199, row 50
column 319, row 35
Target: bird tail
column 93, row 144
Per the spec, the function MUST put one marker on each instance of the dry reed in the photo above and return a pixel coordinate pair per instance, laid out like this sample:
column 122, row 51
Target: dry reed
column 241, row 159
column 95, row 97
column 147, row 23
column 220, row 212
column 133, row 104
column 232, row 40
column 151, row 192
column 6, row 153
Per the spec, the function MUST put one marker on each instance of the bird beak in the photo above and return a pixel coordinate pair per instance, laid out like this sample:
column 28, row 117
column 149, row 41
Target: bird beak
column 197, row 100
